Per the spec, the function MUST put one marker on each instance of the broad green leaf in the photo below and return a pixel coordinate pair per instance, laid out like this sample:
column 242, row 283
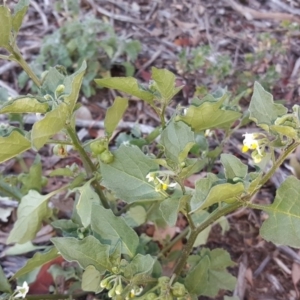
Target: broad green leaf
column 140, row 265
column 209, row 275
column 18, row 249
column 136, row 216
column 193, row 165
column 169, row 209
column 19, row 13
column 126, row 175
column 62, row 172
column 32, row 210
column 87, row 198
column 224, row 192
column 51, row 81
column 4, row 284
column 177, row 139
column 165, row 83
column 91, row 279
column 33, row 179
column 283, row 225
column 53, row 122
column 127, row 85
column 76, row 81
column 202, row 189
column 38, row 260
column 197, row 278
column 263, row 110
column 114, row 114
column 12, row 145
column 209, row 115
column 285, row 130
column 68, row 227
column 88, row 251
column 233, row 167
column 218, row 277
column 24, row 105
column 112, row 229
column 5, row 27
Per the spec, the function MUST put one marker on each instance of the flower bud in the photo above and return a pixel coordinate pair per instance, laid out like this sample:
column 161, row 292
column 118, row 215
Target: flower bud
column 119, row 289
column 60, row 89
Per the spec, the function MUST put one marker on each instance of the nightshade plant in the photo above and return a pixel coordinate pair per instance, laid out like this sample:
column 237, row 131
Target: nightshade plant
column 119, row 190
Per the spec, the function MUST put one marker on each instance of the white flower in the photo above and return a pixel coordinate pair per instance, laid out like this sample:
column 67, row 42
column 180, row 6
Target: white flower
column 151, row 176
column 164, row 185
column 22, row 290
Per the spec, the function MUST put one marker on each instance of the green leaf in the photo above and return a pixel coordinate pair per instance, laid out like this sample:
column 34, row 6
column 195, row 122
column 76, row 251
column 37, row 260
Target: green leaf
column 202, row 188
column 209, row 115
column 62, row 172
column 165, row 83
column 91, row 279
column 38, row 260
column 88, row 251
column 76, row 81
column 136, row 216
column 127, row 85
column 32, row 180
column 169, row 209
column 53, row 122
column 32, row 210
column 140, row 265
column 177, row 139
column 126, row 176
column 209, row 275
column 12, row 145
column 197, row 278
column 112, row 229
column 233, row 167
column 19, row 13
column 24, row 105
column 87, row 198
column 5, row 27
column 114, row 114
column 283, row 225
column 222, row 192
column 51, row 81
column 68, row 227
column 4, row 284
column 263, row 110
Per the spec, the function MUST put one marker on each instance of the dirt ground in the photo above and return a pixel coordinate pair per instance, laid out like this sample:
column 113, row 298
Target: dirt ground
column 237, row 42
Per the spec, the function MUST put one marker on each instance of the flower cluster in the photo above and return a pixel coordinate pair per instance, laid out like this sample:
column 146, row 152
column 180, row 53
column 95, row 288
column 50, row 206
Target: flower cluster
column 256, row 142
column 161, row 182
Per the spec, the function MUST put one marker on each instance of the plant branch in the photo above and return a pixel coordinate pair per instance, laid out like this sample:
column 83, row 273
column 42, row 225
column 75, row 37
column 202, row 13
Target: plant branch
column 214, row 216
column 17, row 56
column 279, row 161
column 89, row 166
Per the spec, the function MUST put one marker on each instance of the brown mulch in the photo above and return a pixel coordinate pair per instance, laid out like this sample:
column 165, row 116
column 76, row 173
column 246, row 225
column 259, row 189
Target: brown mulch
column 165, row 29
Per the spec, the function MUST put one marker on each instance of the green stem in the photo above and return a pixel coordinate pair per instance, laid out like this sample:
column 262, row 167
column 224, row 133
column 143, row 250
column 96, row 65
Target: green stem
column 10, row 191
column 180, row 236
column 19, row 58
column 5, row 57
column 214, row 216
column 88, row 164
column 59, row 142
column 279, row 161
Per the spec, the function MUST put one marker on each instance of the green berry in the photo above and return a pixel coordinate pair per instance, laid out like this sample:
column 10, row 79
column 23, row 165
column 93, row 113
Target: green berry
column 178, row 289
column 106, row 157
column 151, row 296
column 98, row 147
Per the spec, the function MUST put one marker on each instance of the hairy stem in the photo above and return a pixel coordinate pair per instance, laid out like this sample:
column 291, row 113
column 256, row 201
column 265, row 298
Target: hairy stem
column 19, row 58
column 88, row 164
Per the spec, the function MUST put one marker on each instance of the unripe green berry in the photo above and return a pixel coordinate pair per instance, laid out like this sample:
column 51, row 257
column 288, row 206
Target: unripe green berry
column 106, row 157
column 178, row 289
column 98, row 147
